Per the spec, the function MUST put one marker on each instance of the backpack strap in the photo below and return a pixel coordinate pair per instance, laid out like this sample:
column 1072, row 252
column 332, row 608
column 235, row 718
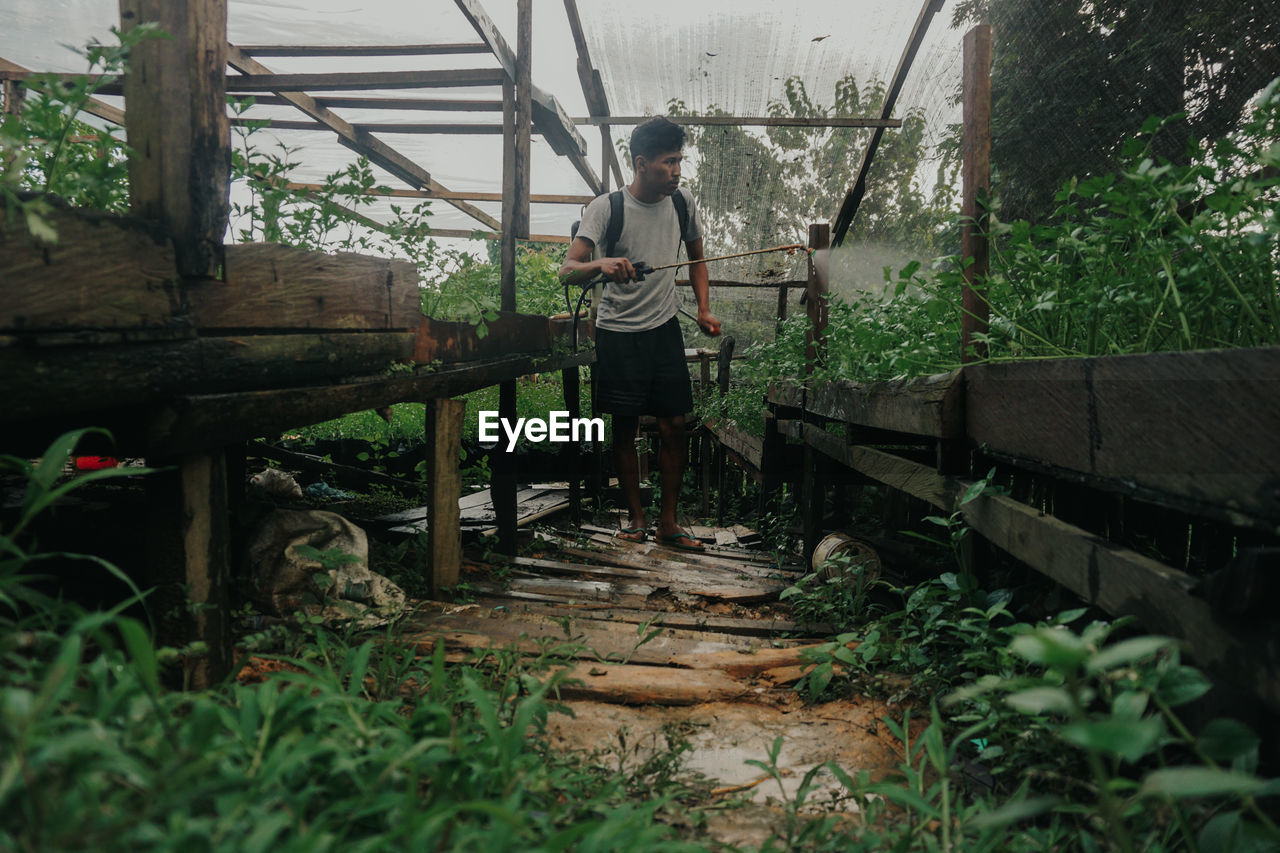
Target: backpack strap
column 614, row 231
column 682, row 212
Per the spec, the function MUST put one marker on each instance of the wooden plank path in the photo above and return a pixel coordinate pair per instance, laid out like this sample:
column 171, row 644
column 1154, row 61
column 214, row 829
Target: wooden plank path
column 647, row 624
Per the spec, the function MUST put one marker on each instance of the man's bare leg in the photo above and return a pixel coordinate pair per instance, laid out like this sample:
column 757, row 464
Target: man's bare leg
column 673, row 456
column 625, row 462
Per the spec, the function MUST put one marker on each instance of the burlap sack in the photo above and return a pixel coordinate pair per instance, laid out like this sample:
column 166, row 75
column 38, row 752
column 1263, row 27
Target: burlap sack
column 286, row 581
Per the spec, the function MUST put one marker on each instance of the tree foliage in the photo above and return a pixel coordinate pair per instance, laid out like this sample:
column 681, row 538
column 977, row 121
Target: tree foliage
column 756, row 188
column 1072, row 81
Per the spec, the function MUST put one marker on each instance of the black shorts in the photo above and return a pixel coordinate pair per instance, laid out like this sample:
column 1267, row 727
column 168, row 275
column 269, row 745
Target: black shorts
column 643, row 373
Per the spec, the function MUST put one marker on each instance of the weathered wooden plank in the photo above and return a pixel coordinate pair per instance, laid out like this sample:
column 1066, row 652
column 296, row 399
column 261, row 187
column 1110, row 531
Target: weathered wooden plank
column 1200, row 430
column 748, row 121
column 444, row 484
column 179, row 139
column 338, row 81
column 200, row 420
column 928, row 405
column 270, row 286
column 465, row 196
column 363, row 49
column 362, row 102
column 785, row 392
column 453, row 341
column 911, row 477
column 749, row 447
column 620, row 643
column 50, row 381
column 1123, row 581
column 648, row 685
column 105, row 272
column 691, row 621
column 745, row 663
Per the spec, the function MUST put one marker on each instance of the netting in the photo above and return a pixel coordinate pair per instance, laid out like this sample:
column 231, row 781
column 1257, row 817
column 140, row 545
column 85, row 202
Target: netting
column 1071, row 82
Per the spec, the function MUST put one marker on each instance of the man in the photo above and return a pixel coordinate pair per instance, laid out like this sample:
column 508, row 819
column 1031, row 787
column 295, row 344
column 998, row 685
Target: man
column 639, row 349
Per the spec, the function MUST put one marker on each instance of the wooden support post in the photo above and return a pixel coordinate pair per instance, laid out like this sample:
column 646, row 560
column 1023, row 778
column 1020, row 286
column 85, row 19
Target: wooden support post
column 705, row 452
column 179, row 177
column 782, row 305
column 816, row 296
column 976, row 148
column 13, row 93
column 179, row 136
column 772, row 469
column 813, row 498
column 515, row 226
column 572, row 450
column 724, row 361
column 188, row 555
column 444, row 486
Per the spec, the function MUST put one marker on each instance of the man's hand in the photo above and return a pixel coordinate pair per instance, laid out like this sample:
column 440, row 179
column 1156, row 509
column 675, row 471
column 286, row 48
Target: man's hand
column 617, row 270
column 708, row 323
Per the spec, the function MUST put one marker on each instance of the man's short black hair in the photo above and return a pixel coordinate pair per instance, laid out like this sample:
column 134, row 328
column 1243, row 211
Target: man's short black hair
column 658, row 135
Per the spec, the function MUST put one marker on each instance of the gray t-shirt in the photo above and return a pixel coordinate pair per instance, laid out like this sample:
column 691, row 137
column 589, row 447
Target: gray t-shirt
column 650, row 233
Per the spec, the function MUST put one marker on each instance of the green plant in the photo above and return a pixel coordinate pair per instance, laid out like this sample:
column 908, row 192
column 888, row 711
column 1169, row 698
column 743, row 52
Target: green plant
column 45, row 149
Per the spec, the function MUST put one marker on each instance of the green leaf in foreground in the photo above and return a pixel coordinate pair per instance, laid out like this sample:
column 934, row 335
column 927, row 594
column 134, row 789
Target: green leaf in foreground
column 1180, row 782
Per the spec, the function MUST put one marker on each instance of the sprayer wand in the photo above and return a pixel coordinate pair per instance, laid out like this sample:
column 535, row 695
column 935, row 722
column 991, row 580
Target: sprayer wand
column 790, row 249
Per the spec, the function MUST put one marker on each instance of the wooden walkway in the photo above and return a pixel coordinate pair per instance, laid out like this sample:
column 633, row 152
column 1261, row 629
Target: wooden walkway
column 646, row 623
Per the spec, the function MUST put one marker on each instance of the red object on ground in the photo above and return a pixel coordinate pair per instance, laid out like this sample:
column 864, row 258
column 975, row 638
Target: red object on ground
column 95, row 463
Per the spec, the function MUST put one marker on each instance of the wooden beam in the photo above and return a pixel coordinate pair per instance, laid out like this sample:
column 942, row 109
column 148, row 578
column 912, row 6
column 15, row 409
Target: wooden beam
column 1192, row 430
column 748, row 121
column 416, row 128
column 444, row 420
column 928, row 405
column 816, row 297
column 366, row 103
column 355, row 80
column 976, row 166
column 179, row 140
column 363, row 49
column 466, row 196
column 548, row 115
column 14, row 93
column 1116, row 579
column 593, row 92
column 853, row 198
column 364, row 143
column 188, row 553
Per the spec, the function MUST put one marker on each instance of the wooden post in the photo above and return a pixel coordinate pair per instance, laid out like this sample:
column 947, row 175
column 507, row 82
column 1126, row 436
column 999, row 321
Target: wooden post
column 976, row 149
column 572, row 451
column 816, row 297
column 187, row 551
column 516, row 125
column 782, row 305
column 813, row 497
column 179, row 174
column 444, row 487
column 13, row 93
column 179, row 135
column 724, row 361
column 705, row 452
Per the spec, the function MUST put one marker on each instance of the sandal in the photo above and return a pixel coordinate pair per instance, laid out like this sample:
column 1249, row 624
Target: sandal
column 681, row 540
column 631, row 534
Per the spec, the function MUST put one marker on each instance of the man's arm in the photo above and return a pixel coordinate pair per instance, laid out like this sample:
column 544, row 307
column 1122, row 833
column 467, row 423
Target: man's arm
column 701, row 283
column 578, row 266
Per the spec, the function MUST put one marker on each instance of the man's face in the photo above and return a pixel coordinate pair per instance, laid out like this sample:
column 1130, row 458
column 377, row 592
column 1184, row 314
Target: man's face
column 662, row 172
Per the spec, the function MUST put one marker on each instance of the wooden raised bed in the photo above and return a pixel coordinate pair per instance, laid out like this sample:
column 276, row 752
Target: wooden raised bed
column 1198, row 432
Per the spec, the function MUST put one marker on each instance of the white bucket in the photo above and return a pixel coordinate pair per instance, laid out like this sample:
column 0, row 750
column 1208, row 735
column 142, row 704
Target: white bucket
column 862, row 557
